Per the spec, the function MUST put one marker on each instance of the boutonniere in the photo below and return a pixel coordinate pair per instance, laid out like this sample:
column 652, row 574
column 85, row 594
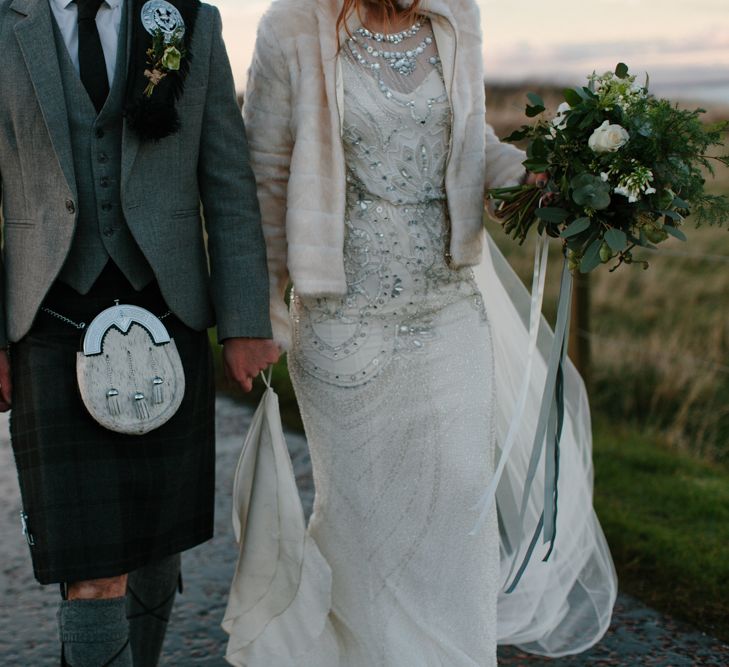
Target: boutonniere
column 159, row 63
column 164, row 57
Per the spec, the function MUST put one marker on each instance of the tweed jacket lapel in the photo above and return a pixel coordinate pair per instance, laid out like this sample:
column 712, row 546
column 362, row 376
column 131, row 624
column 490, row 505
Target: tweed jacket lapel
column 35, row 38
column 130, row 141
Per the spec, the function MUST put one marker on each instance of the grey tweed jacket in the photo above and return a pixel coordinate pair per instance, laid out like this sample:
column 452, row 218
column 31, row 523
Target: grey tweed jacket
column 162, row 186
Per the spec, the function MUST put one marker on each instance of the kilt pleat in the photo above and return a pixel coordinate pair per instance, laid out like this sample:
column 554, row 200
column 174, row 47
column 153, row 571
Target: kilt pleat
column 98, row 503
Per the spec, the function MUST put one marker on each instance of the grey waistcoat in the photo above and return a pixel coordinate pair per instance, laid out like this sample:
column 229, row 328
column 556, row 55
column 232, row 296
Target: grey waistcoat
column 101, row 230
column 163, row 185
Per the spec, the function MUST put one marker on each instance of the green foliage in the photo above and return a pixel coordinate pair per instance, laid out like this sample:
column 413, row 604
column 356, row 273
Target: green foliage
column 630, row 164
column 590, row 192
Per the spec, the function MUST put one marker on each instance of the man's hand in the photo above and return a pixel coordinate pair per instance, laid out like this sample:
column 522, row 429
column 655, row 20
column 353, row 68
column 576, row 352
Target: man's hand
column 245, row 358
column 6, row 388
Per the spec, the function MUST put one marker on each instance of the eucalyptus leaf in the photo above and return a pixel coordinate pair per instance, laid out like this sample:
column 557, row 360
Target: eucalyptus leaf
column 616, row 239
column 551, row 214
column 590, row 191
column 673, row 215
column 576, row 227
column 675, row 232
column 643, row 127
column 591, row 258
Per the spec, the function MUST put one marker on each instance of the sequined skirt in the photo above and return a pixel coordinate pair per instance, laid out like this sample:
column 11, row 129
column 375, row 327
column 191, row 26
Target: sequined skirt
column 399, row 461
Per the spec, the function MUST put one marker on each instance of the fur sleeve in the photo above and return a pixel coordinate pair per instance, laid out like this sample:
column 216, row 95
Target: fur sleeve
column 503, row 162
column 267, row 114
column 504, row 166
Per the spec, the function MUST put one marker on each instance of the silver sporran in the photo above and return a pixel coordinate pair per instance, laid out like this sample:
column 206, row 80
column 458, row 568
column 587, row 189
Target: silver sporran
column 129, row 371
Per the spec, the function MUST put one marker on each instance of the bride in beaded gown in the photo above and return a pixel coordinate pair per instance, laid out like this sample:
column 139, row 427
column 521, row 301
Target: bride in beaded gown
column 412, row 441
column 406, row 384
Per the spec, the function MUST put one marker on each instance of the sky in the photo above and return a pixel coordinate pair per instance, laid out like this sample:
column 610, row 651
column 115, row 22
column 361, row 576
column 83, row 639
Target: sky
column 682, row 44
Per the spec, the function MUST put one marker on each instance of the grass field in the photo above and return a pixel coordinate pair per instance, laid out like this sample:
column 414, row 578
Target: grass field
column 666, row 517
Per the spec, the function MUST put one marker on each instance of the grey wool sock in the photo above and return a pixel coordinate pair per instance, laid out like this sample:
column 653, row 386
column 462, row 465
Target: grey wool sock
column 94, row 633
column 150, row 595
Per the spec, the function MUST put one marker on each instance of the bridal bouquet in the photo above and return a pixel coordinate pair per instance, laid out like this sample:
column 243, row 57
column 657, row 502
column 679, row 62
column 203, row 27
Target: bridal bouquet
column 625, row 170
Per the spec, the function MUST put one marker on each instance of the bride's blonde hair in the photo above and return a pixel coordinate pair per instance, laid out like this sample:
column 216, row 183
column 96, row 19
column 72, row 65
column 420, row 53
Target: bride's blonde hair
column 386, row 10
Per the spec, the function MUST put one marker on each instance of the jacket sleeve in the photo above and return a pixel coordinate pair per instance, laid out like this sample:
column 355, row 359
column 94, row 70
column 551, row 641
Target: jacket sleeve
column 239, row 280
column 267, row 112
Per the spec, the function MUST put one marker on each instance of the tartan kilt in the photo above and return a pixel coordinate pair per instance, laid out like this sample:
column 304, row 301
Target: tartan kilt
column 98, row 503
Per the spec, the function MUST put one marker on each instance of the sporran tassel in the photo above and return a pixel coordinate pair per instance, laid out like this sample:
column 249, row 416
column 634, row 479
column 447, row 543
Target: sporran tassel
column 140, row 405
column 158, row 390
column 112, row 402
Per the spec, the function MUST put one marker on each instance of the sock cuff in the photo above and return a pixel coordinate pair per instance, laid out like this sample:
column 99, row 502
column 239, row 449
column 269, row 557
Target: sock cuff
column 92, row 621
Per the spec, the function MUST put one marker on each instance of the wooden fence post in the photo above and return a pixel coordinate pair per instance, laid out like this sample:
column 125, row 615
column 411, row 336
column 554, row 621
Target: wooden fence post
column 579, row 343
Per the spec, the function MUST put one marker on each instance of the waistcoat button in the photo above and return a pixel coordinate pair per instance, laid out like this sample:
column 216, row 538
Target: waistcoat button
column 70, row 206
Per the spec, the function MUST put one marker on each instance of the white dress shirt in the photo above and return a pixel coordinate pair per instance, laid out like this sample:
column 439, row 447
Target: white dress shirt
column 108, row 21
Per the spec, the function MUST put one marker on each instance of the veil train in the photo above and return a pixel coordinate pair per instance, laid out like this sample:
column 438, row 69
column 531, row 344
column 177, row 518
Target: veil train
column 564, row 605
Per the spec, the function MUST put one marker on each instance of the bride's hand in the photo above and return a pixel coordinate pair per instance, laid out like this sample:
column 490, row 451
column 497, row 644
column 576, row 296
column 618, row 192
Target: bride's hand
column 540, row 180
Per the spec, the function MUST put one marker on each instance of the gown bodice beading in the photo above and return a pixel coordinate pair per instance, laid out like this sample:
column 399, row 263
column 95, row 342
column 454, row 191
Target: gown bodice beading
column 396, row 145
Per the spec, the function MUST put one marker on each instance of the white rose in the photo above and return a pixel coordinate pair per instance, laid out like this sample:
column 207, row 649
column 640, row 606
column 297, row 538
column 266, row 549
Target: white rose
column 608, row 138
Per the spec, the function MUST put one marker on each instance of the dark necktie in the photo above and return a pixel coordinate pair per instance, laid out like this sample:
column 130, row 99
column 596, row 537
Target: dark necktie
column 91, row 60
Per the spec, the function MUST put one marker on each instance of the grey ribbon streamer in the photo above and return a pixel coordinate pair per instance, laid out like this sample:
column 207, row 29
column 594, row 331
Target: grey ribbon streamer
column 549, row 429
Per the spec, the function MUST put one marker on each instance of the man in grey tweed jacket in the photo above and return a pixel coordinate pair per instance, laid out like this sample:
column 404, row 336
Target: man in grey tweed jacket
column 91, row 211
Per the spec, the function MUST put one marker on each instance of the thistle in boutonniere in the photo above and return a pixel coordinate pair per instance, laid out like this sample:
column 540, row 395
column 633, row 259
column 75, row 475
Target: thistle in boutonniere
column 163, row 57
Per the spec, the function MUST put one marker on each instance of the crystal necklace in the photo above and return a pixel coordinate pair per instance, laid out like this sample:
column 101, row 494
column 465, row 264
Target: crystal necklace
column 403, row 62
column 410, row 105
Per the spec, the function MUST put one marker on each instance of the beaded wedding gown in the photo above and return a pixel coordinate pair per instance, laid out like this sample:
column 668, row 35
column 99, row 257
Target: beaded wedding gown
column 397, row 387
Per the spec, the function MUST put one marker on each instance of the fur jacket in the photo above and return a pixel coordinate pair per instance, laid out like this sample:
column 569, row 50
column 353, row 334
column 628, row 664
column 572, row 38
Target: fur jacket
column 293, row 110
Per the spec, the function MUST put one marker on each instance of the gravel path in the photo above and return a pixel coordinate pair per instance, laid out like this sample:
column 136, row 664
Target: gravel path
column 639, row 636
